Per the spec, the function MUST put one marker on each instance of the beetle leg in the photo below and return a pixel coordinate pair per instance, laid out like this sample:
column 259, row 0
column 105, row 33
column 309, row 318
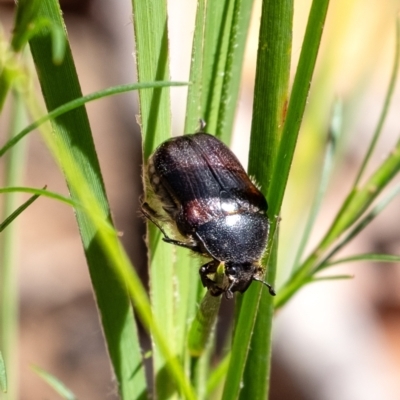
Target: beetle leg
column 228, row 292
column 190, row 246
column 206, row 269
column 152, row 216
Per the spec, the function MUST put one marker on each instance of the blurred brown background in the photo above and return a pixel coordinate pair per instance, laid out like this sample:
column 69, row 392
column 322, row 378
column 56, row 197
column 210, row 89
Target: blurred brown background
column 335, row 340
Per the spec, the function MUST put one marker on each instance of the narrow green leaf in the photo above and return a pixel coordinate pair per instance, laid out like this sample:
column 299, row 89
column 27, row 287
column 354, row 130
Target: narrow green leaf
column 189, row 287
column 257, row 374
column 3, row 374
column 333, row 137
column 329, row 278
column 389, row 258
column 25, row 18
column 8, row 68
column 151, row 39
column 282, row 161
column 233, row 68
column 59, row 43
column 297, row 103
column 59, row 85
column 356, row 203
column 361, row 198
column 41, row 192
column 318, row 260
column 14, row 166
column 55, row 383
column 204, row 322
column 271, row 91
column 218, row 375
column 194, row 110
column 200, row 368
column 296, row 106
column 189, row 292
column 217, row 56
column 79, row 102
column 357, row 228
column 152, row 64
column 217, row 29
column 240, row 347
column 17, row 212
column 386, row 104
column 118, row 259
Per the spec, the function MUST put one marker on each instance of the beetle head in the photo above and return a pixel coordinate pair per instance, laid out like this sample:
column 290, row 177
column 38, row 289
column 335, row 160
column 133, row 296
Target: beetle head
column 240, row 276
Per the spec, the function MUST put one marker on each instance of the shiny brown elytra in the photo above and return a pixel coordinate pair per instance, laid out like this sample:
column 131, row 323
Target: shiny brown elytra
column 200, row 188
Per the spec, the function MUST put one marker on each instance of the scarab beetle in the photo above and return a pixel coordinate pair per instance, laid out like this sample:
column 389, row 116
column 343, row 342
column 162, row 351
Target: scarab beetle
column 198, row 187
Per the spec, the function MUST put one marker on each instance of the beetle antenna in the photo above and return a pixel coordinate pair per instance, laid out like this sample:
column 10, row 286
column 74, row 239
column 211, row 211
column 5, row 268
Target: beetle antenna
column 270, row 288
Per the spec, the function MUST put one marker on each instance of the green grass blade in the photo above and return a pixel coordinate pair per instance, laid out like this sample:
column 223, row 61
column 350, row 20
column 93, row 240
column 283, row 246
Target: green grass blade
column 189, row 293
column 25, row 19
column 17, row 212
column 386, row 104
column 331, row 147
column 276, row 25
column 194, row 110
column 358, row 227
column 217, row 376
column 201, row 327
column 297, row 103
column 233, row 68
column 271, row 89
column 59, row 43
column 118, row 259
column 282, row 161
column 151, row 39
column 243, row 332
column 374, row 257
column 3, row 374
column 8, row 68
column 314, row 263
column 190, row 290
column 294, row 115
column 257, row 373
column 217, row 29
column 79, row 102
column 41, row 192
column 200, row 368
column 217, row 54
column 217, row 58
column 55, row 383
column 356, row 203
column 329, row 278
column 14, row 165
column 361, row 198
column 152, row 64
column 59, row 85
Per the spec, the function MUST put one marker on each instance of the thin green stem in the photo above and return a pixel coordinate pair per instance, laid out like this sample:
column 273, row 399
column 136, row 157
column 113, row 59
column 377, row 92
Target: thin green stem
column 41, row 192
column 233, row 68
column 374, row 257
column 79, row 102
column 386, row 104
column 8, row 265
column 366, row 220
column 312, row 264
column 333, row 136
